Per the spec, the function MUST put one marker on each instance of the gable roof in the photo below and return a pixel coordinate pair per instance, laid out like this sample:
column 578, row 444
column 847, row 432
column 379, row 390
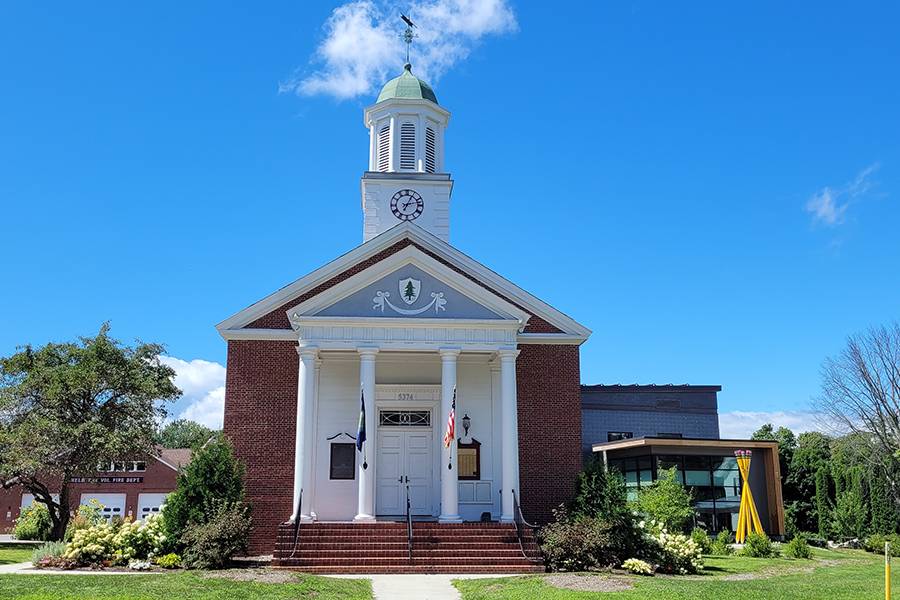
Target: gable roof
column 263, row 315
column 175, row 458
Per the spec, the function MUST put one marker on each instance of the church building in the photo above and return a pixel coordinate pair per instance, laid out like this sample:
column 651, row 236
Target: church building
column 407, row 396
column 412, row 329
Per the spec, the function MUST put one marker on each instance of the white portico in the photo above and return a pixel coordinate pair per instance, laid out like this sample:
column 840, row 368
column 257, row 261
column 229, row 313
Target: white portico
column 407, row 333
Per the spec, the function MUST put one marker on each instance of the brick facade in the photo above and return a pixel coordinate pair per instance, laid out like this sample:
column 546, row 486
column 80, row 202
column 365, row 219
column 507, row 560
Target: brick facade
column 157, row 479
column 549, row 399
column 260, row 419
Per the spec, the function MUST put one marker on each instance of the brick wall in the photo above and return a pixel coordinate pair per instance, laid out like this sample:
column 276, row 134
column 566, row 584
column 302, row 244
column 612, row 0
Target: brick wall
column 260, row 419
column 549, row 398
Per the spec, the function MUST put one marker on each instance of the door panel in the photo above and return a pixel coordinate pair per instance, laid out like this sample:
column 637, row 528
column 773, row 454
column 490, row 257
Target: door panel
column 404, row 452
column 388, row 470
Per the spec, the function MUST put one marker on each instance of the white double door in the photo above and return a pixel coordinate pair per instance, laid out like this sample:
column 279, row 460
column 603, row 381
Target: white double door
column 405, row 457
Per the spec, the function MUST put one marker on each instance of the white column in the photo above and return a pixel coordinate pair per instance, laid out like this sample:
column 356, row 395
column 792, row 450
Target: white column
column 306, row 387
column 309, row 485
column 365, row 510
column 449, row 476
column 509, row 417
column 394, row 156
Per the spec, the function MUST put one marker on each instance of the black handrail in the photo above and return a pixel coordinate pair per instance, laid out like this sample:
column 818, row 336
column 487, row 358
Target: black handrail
column 297, row 523
column 521, row 524
column 409, row 527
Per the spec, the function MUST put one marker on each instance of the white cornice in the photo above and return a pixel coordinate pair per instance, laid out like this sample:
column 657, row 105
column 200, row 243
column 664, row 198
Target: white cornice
column 552, row 339
column 258, row 334
column 426, row 240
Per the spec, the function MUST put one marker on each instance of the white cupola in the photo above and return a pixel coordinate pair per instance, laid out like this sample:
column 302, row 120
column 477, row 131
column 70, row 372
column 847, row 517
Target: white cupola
column 406, row 179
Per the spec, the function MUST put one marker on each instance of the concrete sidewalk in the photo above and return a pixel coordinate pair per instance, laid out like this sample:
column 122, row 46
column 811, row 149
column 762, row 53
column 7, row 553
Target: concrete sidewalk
column 415, row 587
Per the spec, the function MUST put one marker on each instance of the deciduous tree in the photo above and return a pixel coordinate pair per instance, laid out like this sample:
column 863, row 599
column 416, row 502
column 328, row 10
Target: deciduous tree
column 64, row 408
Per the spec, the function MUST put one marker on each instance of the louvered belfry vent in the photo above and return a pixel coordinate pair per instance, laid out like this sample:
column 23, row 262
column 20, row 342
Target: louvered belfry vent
column 429, row 150
column 407, row 146
column 384, row 148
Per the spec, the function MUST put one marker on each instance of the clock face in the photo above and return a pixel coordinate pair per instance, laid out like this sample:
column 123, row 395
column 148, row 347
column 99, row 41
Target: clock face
column 407, row 205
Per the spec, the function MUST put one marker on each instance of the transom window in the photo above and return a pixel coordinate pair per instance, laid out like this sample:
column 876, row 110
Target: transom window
column 404, row 418
column 615, row 436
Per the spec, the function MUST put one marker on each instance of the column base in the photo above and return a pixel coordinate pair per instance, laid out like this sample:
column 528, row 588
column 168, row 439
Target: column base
column 303, row 519
column 450, row 519
column 505, row 519
column 363, row 519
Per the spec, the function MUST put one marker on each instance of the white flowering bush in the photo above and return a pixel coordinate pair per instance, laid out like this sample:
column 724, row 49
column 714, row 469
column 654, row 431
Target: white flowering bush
column 106, row 543
column 140, row 565
column 677, row 553
column 92, row 545
column 139, row 540
column 637, row 566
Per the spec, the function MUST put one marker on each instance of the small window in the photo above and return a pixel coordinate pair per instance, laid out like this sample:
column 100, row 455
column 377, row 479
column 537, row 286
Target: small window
column 140, row 466
column 469, row 458
column 407, row 146
column 343, row 461
column 384, row 148
column 669, row 436
column 430, row 154
column 615, row 436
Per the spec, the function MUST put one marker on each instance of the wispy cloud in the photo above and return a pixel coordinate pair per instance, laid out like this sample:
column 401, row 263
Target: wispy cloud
column 829, row 205
column 362, row 46
column 203, row 384
column 741, row 424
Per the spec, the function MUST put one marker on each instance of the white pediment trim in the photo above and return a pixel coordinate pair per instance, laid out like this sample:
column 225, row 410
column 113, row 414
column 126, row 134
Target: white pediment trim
column 410, row 256
column 384, row 241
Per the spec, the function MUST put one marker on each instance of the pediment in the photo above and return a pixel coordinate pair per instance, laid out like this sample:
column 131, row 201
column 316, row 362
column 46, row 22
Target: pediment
column 409, row 285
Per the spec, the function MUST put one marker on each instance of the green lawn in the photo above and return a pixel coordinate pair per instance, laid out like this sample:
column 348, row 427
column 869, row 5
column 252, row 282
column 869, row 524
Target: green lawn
column 833, row 575
column 181, row 585
column 10, row 554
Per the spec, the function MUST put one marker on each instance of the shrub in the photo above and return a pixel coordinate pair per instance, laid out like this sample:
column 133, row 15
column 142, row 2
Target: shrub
column 88, row 515
column 875, row 543
column 225, row 533
column 797, row 548
column 34, row 523
column 169, row 561
column 214, row 474
column 702, row 539
column 676, row 552
column 48, row 551
column 139, row 540
column 721, row 544
column 666, row 501
column 581, row 543
column 758, row 545
column 140, row 565
column 637, row 566
column 92, row 546
column 599, row 492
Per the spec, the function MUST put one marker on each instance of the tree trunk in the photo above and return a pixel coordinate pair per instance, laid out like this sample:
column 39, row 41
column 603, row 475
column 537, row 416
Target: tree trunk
column 58, row 533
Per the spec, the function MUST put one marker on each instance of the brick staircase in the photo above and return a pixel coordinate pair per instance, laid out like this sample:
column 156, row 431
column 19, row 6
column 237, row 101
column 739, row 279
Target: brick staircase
column 376, row 548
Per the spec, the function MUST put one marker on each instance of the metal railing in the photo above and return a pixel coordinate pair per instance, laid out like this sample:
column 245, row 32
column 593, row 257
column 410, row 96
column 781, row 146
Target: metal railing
column 521, row 524
column 409, row 527
column 297, row 523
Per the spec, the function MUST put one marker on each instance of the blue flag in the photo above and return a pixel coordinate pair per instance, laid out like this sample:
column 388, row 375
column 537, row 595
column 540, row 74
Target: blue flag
column 361, row 429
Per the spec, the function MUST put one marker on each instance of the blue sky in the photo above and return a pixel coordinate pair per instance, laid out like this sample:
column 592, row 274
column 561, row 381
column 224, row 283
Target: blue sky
column 713, row 189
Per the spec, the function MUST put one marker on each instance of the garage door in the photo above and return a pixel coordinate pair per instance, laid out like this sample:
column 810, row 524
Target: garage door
column 148, row 504
column 113, row 504
column 28, row 499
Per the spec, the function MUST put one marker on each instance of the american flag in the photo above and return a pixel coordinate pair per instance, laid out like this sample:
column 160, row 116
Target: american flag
column 451, row 423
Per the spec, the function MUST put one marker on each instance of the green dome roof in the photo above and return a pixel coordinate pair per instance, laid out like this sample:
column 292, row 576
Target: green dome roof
column 407, row 86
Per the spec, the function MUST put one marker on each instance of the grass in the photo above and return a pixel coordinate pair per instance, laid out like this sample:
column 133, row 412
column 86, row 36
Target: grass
column 832, row 575
column 181, row 585
column 11, row 554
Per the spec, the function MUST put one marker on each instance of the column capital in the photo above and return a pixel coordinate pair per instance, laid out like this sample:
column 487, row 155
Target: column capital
column 449, row 353
column 367, row 351
column 308, row 352
column 508, row 354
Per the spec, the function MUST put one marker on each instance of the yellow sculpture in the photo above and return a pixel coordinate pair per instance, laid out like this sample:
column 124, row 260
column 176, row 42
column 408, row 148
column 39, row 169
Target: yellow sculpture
column 748, row 518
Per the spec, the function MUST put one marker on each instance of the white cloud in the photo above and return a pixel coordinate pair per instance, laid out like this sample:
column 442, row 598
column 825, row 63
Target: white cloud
column 203, row 385
column 741, row 424
column 362, row 47
column 829, row 205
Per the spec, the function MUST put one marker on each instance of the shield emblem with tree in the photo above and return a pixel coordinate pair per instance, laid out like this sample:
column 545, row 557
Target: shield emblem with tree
column 409, row 290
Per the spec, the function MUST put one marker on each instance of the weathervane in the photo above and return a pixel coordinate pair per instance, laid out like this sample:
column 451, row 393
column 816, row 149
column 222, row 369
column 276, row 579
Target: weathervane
column 408, row 36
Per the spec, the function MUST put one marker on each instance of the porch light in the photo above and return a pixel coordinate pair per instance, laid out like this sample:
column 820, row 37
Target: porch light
column 467, row 422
